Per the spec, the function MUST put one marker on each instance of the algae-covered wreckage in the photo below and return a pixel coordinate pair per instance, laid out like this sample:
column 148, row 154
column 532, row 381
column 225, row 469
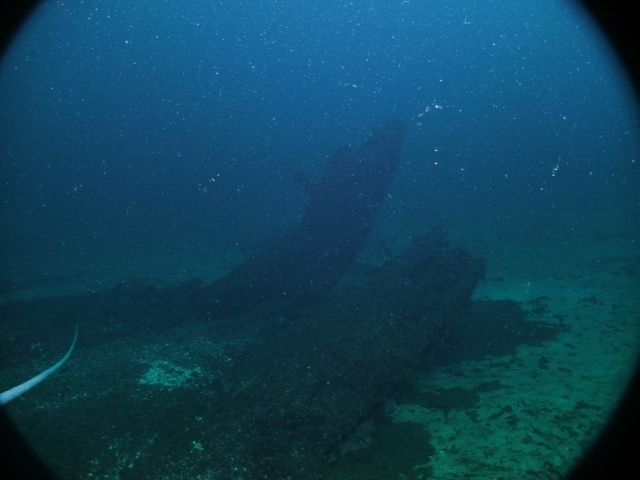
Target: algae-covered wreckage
column 326, row 358
column 285, row 363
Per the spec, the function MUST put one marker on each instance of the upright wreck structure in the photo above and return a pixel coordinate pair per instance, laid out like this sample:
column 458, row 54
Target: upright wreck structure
column 306, row 263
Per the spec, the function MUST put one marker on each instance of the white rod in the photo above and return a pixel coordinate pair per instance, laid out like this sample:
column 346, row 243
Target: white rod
column 41, row 377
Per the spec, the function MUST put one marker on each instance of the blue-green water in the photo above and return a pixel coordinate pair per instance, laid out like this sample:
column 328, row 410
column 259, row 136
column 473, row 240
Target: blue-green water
column 152, row 143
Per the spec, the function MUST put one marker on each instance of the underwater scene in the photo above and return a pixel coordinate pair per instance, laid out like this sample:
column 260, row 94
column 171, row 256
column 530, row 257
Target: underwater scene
column 342, row 240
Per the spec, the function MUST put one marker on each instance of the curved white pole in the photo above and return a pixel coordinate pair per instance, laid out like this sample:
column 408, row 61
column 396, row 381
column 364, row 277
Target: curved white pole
column 42, row 376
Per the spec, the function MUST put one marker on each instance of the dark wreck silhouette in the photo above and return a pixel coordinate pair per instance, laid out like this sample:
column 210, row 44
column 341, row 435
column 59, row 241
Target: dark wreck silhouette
column 323, row 358
column 305, row 264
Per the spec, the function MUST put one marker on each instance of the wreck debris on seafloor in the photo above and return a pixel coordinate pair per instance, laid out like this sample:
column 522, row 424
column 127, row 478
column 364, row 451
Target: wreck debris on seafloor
column 325, row 358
